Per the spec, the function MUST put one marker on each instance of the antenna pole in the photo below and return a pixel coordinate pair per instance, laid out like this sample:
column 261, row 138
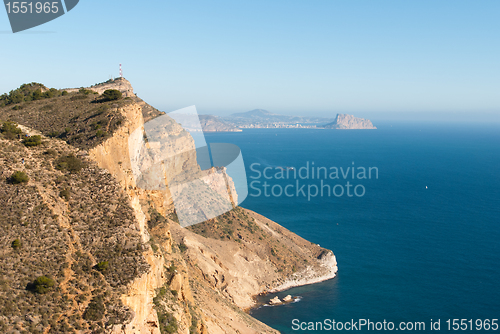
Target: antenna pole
column 121, row 73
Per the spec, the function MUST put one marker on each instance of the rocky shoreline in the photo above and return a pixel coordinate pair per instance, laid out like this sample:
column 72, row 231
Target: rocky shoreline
column 306, row 277
column 328, row 269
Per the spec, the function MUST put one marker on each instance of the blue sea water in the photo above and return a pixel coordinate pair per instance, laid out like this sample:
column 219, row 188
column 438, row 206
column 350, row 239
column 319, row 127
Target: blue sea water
column 405, row 252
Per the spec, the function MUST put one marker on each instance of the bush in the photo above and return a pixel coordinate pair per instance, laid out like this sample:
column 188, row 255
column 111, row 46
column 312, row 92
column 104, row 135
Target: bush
column 78, row 97
column 193, row 329
column 156, row 219
column 65, row 194
column 50, row 93
column 173, row 216
column 19, row 177
column 16, row 244
column 69, row 163
column 16, row 98
column 85, row 91
column 154, row 247
column 172, row 268
column 10, row 130
column 26, row 92
column 111, row 95
column 32, row 141
column 102, row 266
column 182, row 247
column 37, row 95
column 100, row 133
column 64, row 93
column 96, row 309
column 43, row 284
column 53, row 134
column 168, row 324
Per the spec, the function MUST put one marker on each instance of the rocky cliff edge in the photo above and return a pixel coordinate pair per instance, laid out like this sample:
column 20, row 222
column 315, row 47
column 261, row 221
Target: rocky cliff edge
column 200, row 279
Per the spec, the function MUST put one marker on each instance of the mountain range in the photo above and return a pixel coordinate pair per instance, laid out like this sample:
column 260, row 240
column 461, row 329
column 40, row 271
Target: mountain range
column 264, row 118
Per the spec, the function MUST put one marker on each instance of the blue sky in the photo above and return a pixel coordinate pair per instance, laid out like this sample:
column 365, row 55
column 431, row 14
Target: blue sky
column 294, row 57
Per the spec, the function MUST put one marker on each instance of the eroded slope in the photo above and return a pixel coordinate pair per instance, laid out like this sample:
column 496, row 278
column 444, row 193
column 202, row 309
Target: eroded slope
column 66, row 223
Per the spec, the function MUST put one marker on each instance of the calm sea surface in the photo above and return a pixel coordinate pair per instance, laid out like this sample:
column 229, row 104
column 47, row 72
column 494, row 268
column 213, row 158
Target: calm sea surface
column 422, row 243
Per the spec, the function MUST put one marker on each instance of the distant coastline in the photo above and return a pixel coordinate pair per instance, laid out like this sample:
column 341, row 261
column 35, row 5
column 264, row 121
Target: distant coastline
column 263, row 119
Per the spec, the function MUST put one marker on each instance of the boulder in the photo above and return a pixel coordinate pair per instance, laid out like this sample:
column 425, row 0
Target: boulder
column 275, row 301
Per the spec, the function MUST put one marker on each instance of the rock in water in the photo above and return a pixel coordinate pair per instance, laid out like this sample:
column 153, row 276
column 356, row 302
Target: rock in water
column 345, row 121
column 275, row 301
column 288, row 298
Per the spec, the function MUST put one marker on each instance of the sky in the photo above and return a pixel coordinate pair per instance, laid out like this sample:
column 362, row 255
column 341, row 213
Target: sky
column 394, row 58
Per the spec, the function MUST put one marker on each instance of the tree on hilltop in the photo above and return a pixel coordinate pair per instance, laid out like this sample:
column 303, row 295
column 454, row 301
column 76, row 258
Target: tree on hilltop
column 111, row 95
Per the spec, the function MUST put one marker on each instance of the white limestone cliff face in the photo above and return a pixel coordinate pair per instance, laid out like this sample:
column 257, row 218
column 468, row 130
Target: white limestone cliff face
column 116, row 155
column 218, row 180
column 140, row 298
column 217, row 269
column 125, row 155
column 113, row 155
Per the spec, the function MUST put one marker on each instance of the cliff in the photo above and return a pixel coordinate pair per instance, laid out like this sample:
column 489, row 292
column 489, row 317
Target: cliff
column 184, row 280
column 345, row 121
column 242, row 264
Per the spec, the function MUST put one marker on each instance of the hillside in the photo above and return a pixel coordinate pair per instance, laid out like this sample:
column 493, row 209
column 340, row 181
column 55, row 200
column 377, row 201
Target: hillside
column 211, row 123
column 114, row 256
column 66, row 222
column 78, row 118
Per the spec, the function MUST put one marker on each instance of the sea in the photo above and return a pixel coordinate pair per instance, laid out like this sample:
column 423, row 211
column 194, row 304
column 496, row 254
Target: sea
column 417, row 243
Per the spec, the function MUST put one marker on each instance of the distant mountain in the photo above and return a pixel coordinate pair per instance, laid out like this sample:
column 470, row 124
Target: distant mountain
column 260, row 118
column 345, row 121
column 211, row 123
column 256, row 113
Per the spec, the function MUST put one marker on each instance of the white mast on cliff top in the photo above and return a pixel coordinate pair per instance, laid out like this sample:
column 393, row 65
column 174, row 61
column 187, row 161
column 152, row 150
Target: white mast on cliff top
column 121, row 73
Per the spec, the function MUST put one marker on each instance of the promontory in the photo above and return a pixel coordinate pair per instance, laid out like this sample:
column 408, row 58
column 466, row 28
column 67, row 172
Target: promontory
column 345, row 121
column 86, row 249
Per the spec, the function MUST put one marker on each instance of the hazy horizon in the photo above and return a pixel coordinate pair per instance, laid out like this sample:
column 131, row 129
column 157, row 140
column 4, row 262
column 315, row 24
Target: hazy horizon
column 453, row 117
column 374, row 116
column 284, row 56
